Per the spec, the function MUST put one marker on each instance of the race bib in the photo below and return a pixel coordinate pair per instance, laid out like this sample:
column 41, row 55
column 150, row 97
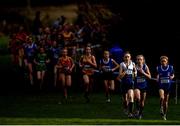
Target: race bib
column 87, row 66
column 140, row 80
column 42, row 61
column 128, row 71
column 164, row 81
column 106, row 69
column 87, row 70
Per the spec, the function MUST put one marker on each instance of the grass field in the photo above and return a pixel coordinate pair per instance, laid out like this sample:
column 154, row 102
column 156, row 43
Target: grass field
column 43, row 108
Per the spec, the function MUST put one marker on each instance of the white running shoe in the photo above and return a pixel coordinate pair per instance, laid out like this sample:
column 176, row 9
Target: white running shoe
column 140, row 116
column 164, row 117
column 108, row 100
column 130, row 115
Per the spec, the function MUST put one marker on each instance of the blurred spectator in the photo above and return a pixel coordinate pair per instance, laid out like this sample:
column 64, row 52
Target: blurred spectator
column 36, row 23
column 117, row 52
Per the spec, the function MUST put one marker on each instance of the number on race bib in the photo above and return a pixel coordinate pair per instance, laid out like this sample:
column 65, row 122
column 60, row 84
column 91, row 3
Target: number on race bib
column 128, row 71
column 140, row 80
column 165, row 81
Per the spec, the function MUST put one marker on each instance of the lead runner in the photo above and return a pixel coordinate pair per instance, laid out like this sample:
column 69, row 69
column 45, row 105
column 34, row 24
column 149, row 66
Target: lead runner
column 164, row 78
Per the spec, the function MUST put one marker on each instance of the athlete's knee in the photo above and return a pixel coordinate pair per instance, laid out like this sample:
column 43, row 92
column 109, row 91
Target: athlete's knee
column 62, row 81
column 131, row 97
column 162, row 98
column 112, row 88
column 68, row 84
column 137, row 96
column 161, row 95
column 86, row 81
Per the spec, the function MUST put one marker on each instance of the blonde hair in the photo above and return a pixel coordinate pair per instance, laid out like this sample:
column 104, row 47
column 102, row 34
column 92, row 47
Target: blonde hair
column 163, row 57
column 106, row 51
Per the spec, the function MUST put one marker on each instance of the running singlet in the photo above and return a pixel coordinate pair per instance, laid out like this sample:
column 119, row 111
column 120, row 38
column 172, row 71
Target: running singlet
column 87, row 68
column 55, row 53
column 106, row 65
column 66, row 65
column 41, row 59
column 164, row 75
column 30, row 49
column 128, row 78
column 141, row 82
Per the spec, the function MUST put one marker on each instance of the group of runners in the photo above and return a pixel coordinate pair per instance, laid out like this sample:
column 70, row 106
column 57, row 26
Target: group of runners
column 132, row 76
column 53, row 47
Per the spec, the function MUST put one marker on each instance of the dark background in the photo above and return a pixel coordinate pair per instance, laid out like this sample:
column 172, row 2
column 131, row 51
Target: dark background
column 144, row 27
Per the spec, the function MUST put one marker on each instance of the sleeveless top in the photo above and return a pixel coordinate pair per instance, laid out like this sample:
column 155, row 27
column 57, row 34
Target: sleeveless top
column 87, row 68
column 66, row 64
column 141, row 78
column 128, row 78
column 106, row 65
column 165, row 73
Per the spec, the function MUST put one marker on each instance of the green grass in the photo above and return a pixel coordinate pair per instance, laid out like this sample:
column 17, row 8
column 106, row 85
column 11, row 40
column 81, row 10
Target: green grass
column 4, row 41
column 80, row 121
column 44, row 109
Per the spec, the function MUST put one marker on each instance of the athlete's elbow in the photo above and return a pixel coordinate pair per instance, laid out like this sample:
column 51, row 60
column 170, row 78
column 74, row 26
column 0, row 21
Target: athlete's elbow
column 149, row 77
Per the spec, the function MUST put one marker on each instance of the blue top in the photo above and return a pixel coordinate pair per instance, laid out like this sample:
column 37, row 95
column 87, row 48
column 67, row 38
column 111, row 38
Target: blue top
column 30, row 49
column 164, row 74
column 106, row 65
column 141, row 82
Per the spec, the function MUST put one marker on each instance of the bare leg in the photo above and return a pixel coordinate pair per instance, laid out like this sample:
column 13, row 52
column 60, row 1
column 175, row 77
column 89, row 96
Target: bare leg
column 86, row 85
